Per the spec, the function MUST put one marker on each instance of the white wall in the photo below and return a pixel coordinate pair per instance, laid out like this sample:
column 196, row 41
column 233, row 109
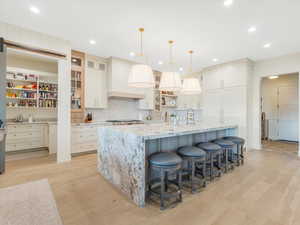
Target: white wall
column 275, row 66
column 269, row 95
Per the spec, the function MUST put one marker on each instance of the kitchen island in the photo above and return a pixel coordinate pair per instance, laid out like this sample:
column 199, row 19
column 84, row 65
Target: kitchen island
column 123, row 150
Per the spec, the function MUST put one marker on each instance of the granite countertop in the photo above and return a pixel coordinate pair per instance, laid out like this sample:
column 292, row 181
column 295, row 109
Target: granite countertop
column 154, row 131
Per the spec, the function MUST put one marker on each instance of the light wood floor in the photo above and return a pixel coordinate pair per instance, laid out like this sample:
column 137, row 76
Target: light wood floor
column 281, row 146
column 265, row 191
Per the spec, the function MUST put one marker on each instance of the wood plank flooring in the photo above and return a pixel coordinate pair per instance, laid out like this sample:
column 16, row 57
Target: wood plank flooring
column 265, row 191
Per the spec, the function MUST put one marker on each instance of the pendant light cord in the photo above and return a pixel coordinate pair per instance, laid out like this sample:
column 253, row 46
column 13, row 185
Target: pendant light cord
column 191, row 61
column 141, row 41
column 170, row 52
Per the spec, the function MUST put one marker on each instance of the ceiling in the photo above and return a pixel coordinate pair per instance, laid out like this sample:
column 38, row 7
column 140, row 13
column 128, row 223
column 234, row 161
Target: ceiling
column 205, row 26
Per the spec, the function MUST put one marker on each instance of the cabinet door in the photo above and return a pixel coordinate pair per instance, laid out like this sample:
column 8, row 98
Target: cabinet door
column 95, row 87
column 212, row 80
column 235, row 108
column 234, row 75
column 213, row 105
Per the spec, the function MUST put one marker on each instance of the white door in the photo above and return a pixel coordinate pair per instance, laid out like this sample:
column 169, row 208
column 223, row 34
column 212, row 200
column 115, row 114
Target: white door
column 288, row 113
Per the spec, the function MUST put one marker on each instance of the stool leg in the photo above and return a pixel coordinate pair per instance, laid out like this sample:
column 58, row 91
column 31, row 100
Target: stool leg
column 204, row 173
column 162, row 189
column 238, row 158
column 226, row 160
column 166, row 181
column 179, row 181
column 211, row 166
column 192, row 175
column 220, row 164
column 242, row 154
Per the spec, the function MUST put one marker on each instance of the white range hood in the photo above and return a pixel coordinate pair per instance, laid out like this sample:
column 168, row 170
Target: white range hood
column 118, row 73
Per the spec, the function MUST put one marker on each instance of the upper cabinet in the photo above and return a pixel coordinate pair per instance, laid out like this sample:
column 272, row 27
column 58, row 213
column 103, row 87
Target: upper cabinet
column 225, row 76
column 118, row 73
column 95, row 82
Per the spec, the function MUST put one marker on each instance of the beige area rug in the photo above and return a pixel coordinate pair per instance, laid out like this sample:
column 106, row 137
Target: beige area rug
column 28, row 204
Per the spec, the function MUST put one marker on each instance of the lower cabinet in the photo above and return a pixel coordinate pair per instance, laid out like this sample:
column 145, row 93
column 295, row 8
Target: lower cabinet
column 26, row 136
column 83, row 138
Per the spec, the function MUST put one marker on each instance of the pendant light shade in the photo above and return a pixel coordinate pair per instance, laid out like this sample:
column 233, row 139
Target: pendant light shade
column 141, row 75
column 191, row 86
column 170, row 80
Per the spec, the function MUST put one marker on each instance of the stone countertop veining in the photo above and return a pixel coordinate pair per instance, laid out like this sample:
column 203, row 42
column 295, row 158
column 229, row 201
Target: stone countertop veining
column 154, row 131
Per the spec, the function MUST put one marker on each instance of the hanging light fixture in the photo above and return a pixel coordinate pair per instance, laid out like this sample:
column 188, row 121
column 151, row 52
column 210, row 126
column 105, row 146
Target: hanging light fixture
column 170, row 80
column 141, row 75
column 191, row 86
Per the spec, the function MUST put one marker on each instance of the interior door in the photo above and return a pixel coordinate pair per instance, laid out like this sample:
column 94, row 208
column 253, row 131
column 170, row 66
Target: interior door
column 288, row 113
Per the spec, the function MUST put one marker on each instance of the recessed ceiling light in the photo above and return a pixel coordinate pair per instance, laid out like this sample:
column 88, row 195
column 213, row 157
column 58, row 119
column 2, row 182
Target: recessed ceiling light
column 252, row 29
column 132, row 54
column 268, row 45
column 228, row 3
column 180, row 69
column 74, row 60
column 92, row 42
column 273, row 77
column 34, row 9
column 160, row 62
column 215, row 60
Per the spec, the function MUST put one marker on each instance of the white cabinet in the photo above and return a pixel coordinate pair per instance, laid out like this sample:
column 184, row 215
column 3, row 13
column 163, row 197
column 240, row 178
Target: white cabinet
column 26, row 136
column 225, row 75
column 225, row 94
column 148, row 102
column 95, row 83
column 83, row 138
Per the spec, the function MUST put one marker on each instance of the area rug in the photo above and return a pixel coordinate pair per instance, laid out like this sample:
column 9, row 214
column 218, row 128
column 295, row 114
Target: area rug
column 28, row 204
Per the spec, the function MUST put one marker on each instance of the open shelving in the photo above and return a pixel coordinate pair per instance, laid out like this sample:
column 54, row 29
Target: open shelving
column 29, row 89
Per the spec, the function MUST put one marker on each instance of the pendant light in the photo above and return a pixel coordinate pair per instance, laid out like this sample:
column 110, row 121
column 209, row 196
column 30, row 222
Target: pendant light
column 191, row 86
column 141, row 75
column 170, row 80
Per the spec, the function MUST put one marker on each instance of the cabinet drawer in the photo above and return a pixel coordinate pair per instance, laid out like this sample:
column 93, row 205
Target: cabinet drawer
column 78, row 148
column 24, row 136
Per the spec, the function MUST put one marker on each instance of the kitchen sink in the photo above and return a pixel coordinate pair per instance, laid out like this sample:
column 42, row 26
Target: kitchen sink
column 2, row 134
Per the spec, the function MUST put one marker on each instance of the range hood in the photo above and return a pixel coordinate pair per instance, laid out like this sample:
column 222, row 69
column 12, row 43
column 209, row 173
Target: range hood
column 115, row 94
column 118, row 73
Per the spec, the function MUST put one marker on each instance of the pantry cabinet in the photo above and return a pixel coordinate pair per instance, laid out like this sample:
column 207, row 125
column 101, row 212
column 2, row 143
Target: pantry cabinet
column 225, row 93
column 95, row 83
column 26, row 136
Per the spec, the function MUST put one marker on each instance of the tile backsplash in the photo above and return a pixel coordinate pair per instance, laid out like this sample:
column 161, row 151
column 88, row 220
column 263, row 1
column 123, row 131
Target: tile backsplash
column 118, row 109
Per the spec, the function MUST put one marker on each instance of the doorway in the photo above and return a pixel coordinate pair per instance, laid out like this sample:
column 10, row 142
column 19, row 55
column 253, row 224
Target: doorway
column 279, row 107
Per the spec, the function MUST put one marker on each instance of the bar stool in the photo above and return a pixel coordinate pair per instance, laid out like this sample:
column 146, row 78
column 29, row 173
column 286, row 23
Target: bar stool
column 227, row 147
column 240, row 142
column 214, row 153
column 167, row 164
column 196, row 165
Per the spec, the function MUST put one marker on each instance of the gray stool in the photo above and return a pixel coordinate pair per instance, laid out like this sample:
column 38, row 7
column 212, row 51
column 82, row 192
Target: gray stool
column 167, row 164
column 196, row 165
column 228, row 158
column 240, row 142
column 214, row 153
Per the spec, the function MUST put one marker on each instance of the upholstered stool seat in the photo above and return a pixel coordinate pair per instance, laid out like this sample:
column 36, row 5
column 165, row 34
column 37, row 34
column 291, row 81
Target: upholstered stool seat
column 195, row 168
column 235, row 139
column 167, row 164
column 165, row 159
column 227, row 147
column 208, row 146
column 191, row 151
column 213, row 152
column 240, row 142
